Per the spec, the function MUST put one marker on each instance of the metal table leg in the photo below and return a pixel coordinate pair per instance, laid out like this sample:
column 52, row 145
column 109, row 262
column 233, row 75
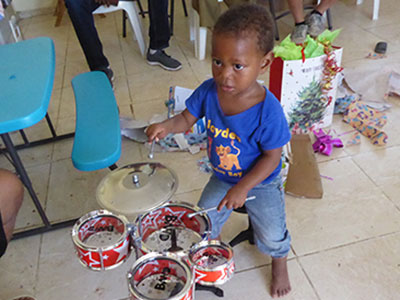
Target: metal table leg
column 24, row 176
column 27, row 182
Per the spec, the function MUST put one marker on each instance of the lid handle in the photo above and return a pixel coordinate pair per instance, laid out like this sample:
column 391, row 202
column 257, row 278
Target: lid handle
column 135, row 180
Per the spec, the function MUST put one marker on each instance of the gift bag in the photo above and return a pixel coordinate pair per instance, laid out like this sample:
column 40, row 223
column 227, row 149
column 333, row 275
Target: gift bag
column 306, row 89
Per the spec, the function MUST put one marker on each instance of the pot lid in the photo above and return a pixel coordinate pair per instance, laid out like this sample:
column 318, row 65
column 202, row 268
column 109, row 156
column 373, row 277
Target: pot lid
column 136, row 188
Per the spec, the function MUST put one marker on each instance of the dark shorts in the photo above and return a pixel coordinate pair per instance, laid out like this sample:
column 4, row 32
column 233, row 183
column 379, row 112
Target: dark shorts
column 3, row 240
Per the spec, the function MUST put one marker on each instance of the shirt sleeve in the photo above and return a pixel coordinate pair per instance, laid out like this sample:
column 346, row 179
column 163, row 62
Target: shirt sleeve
column 274, row 131
column 196, row 102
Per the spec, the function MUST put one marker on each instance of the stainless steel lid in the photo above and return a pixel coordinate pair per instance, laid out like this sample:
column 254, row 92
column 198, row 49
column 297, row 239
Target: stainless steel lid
column 136, row 188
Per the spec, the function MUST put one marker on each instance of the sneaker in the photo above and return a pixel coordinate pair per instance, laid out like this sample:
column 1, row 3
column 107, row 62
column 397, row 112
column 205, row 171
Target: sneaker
column 299, row 34
column 316, row 24
column 110, row 75
column 163, row 60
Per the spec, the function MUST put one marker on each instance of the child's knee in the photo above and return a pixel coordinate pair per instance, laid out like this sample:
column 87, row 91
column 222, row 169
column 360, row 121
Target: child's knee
column 12, row 190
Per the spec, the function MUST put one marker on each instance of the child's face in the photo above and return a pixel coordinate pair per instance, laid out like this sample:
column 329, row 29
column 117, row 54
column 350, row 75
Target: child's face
column 237, row 62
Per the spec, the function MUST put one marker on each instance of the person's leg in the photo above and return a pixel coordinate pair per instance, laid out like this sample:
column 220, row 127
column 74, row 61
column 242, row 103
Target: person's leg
column 324, row 5
column 159, row 33
column 299, row 32
column 11, row 196
column 268, row 218
column 81, row 15
column 315, row 20
column 3, row 238
column 211, row 196
column 297, row 10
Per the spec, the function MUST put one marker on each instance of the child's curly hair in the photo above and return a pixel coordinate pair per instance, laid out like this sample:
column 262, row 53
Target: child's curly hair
column 246, row 19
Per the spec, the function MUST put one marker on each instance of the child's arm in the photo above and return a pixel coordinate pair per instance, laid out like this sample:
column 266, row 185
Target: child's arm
column 178, row 123
column 266, row 164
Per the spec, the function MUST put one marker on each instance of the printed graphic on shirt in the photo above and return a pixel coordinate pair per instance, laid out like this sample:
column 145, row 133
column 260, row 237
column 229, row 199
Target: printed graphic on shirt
column 228, row 160
column 225, row 133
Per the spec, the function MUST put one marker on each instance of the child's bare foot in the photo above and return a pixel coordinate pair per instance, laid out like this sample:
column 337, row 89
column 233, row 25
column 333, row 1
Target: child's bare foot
column 280, row 285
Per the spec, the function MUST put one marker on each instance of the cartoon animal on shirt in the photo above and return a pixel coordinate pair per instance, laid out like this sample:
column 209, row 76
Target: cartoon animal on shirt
column 226, row 158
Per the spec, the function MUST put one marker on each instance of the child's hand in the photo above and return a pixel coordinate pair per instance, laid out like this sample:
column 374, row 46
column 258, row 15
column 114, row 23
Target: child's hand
column 156, row 131
column 179, row 123
column 234, row 198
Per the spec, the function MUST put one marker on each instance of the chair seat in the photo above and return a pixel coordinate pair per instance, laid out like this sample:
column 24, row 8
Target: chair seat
column 97, row 142
column 130, row 7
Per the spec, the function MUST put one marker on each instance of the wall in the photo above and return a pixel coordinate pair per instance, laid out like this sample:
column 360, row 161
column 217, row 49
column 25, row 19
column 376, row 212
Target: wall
column 29, row 5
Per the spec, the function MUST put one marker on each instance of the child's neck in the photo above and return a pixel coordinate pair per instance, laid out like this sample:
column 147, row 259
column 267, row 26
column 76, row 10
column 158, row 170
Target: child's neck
column 233, row 105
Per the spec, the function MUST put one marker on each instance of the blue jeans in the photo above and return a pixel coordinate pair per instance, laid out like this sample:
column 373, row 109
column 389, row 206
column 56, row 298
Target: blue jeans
column 266, row 212
column 81, row 15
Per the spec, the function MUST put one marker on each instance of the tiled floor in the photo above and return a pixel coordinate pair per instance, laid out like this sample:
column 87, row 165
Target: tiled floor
column 344, row 246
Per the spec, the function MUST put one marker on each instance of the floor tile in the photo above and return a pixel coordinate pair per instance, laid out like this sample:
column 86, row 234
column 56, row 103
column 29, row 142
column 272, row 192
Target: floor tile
column 62, row 149
column 354, row 48
column 60, row 269
column 145, row 111
column 344, row 245
column 384, row 171
column 389, row 34
column 65, row 125
column 28, row 216
column 19, row 267
column 142, row 85
column 67, row 103
column 36, row 155
column 350, row 210
column 59, row 76
column 72, row 193
column 362, row 14
column 72, row 69
column 121, row 91
column 130, row 153
column 365, row 270
column 254, row 284
column 133, row 61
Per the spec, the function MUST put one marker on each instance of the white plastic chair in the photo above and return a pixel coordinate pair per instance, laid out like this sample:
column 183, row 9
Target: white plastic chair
column 130, row 7
column 15, row 29
column 197, row 34
column 375, row 12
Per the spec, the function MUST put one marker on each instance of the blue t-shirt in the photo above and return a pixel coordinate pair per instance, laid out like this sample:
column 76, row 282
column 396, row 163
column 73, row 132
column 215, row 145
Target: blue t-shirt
column 236, row 142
